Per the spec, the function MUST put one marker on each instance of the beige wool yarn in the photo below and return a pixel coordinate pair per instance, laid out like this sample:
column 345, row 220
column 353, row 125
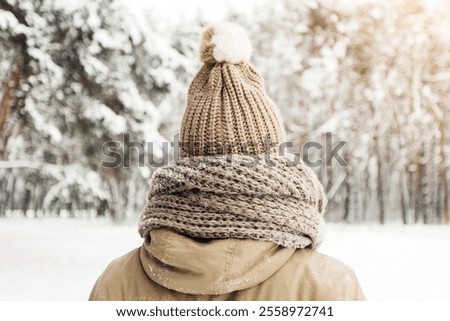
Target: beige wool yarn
column 212, row 198
column 228, row 109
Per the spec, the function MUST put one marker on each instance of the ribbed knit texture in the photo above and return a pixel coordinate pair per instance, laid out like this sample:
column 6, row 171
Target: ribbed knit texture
column 212, row 198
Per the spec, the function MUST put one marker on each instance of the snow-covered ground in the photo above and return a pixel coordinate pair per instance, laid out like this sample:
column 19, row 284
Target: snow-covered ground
column 59, row 259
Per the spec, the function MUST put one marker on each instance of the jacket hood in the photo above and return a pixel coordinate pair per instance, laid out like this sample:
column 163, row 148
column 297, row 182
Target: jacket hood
column 215, row 267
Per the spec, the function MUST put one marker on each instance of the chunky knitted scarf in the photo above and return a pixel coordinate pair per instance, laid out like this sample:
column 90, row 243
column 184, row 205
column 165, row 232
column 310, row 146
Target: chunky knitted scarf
column 275, row 200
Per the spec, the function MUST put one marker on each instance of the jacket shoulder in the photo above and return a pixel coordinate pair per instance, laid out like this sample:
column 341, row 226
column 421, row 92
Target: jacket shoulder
column 115, row 277
column 322, row 277
column 321, row 263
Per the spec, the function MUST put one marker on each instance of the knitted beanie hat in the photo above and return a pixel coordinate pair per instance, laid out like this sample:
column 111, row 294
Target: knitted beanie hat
column 228, row 109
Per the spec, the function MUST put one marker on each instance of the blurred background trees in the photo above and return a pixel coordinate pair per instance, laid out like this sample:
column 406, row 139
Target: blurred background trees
column 72, row 80
column 374, row 74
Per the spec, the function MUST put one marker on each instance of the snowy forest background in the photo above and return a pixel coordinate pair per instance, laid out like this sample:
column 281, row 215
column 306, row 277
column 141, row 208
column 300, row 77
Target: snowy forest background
column 374, row 73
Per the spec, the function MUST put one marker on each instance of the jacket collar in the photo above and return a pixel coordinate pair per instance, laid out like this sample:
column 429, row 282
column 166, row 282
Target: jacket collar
column 215, row 267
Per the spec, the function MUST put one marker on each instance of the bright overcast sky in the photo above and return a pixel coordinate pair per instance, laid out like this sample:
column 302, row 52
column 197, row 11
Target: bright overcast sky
column 213, row 10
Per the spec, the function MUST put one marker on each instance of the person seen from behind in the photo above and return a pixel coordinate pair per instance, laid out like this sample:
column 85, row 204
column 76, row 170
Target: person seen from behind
column 231, row 218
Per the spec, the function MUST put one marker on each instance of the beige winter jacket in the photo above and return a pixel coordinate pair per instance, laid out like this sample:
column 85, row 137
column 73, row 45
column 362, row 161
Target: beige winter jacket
column 174, row 267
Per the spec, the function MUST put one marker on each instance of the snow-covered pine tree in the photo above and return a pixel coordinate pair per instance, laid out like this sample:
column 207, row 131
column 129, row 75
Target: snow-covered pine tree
column 88, row 74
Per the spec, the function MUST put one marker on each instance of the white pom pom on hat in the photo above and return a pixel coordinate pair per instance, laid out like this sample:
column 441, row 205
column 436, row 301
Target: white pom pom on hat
column 225, row 42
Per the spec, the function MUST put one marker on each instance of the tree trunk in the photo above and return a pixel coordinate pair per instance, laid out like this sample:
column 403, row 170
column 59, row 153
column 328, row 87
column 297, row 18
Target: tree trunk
column 11, row 86
column 380, row 191
column 380, row 182
column 403, row 202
